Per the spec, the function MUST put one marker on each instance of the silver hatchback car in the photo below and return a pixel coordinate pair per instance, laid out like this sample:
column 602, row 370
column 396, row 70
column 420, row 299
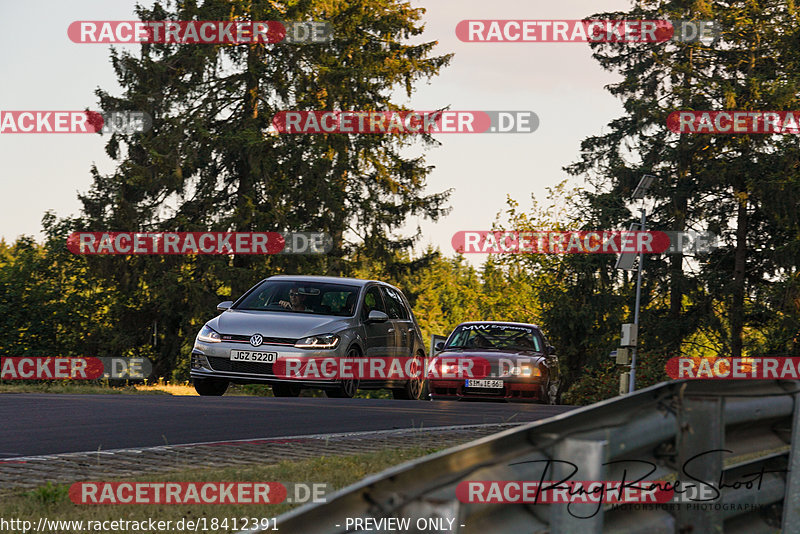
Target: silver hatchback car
column 308, row 317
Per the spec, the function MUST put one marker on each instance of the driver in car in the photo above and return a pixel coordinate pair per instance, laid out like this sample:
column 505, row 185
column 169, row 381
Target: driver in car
column 297, row 301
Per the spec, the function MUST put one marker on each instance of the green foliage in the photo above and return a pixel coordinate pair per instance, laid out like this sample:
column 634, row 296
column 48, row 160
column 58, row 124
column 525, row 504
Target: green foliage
column 211, row 162
column 49, row 304
column 49, row 494
column 741, row 187
column 601, row 381
column 574, row 298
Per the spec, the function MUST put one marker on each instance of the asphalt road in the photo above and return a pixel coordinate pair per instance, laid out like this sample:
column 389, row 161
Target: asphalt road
column 36, row 424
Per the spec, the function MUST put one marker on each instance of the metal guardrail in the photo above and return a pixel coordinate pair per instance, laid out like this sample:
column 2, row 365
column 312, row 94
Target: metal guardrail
column 756, row 423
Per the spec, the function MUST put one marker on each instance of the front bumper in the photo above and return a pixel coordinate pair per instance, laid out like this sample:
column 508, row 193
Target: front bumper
column 212, row 360
column 531, row 391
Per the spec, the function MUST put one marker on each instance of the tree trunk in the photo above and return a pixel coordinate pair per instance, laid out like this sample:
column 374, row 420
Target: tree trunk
column 677, row 329
column 245, row 192
column 739, row 265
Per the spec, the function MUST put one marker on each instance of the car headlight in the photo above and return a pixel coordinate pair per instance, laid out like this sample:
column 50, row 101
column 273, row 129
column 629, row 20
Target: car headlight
column 525, row 371
column 326, row 341
column 209, row 335
column 448, row 369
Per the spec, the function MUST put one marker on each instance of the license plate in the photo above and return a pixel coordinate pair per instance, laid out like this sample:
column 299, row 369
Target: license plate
column 490, row 384
column 250, row 356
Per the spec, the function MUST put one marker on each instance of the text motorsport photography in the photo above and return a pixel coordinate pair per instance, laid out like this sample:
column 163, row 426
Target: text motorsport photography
column 585, row 498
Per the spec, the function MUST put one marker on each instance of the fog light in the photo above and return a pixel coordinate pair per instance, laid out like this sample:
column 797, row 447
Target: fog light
column 199, row 361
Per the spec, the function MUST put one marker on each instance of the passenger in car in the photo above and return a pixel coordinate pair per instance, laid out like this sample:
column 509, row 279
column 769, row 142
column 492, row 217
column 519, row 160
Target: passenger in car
column 349, row 306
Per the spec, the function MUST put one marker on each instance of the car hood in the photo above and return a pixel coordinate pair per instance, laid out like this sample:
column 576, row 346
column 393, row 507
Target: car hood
column 276, row 324
column 493, row 356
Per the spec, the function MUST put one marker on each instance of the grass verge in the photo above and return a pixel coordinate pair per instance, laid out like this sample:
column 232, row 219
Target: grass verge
column 157, row 388
column 52, row 501
column 74, row 387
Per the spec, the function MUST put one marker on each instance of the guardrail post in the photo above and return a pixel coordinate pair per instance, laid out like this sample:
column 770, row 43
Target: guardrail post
column 589, row 457
column 791, row 495
column 701, row 428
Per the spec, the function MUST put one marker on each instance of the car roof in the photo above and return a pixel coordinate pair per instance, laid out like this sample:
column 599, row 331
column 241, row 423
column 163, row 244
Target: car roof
column 511, row 323
column 331, row 279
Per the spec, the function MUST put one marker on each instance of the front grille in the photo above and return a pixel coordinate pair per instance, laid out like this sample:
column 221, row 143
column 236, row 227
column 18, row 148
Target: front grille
column 255, row 368
column 235, row 338
column 484, row 391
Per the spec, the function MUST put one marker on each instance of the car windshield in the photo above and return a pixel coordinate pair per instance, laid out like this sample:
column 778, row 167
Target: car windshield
column 294, row 296
column 494, row 336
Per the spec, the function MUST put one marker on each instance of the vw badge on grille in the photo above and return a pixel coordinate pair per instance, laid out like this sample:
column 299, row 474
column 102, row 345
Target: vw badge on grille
column 256, row 340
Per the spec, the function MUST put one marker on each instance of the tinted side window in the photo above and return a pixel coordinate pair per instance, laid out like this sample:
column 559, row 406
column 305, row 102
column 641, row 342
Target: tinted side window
column 542, row 341
column 394, row 302
column 373, row 301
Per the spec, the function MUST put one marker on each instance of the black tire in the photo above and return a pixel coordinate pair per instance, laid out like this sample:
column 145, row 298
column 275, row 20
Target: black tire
column 347, row 388
column 286, row 390
column 210, row 387
column 416, row 389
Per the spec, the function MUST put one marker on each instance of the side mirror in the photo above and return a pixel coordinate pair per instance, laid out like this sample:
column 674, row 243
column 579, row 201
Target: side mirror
column 377, row 316
column 226, row 305
column 551, row 350
column 439, row 346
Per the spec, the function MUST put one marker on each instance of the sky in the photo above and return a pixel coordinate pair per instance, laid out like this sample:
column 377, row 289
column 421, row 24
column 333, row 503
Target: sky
column 560, row 82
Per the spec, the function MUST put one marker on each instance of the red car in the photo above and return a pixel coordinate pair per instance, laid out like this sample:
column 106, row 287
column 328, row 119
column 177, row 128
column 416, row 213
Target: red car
column 495, row 360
